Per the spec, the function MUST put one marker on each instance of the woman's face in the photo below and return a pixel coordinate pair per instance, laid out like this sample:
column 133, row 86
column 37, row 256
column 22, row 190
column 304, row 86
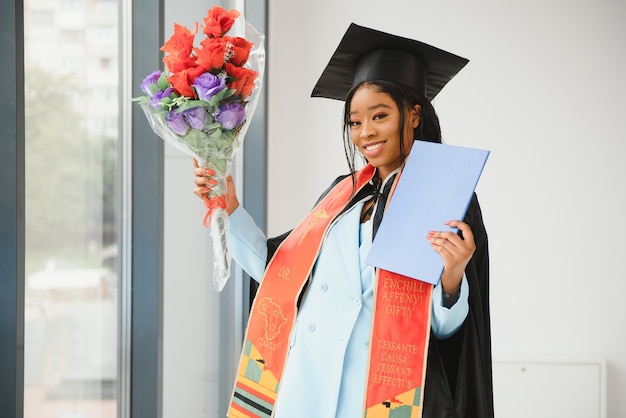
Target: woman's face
column 375, row 128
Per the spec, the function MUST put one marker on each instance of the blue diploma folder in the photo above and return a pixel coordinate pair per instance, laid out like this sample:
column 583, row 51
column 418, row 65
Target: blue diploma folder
column 436, row 186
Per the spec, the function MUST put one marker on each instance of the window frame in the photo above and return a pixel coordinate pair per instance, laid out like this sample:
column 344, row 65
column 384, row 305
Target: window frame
column 140, row 330
column 141, row 241
column 12, row 247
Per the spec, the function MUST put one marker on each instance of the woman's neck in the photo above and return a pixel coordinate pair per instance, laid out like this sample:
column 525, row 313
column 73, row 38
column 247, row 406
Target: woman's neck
column 384, row 178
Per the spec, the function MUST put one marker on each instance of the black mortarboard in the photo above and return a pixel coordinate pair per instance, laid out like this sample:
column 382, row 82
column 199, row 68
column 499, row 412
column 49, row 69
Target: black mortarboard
column 366, row 54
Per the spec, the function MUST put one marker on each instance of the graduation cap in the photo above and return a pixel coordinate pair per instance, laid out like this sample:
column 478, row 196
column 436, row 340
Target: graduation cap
column 366, row 54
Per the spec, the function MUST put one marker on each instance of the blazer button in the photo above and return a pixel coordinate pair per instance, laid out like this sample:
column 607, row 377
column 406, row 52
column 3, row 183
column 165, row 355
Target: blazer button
column 357, row 301
column 311, row 327
column 324, row 287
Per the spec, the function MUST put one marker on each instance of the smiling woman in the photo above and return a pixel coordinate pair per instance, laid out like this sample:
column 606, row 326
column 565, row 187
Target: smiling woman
column 321, row 288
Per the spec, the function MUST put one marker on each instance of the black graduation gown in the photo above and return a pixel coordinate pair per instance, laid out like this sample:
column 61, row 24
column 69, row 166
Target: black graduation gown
column 458, row 374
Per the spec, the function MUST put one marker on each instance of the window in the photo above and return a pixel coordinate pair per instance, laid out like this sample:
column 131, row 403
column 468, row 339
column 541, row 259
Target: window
column 71, row 283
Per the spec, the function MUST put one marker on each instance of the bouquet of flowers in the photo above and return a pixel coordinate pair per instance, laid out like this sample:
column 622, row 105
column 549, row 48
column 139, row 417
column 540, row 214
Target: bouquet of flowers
column 203, row 103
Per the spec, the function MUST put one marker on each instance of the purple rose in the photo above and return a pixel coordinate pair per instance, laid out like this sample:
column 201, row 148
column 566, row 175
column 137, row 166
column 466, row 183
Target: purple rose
column 177, row 123
column 230, row 115
column 148, row 81
column 155, row 100
column 197, row 117
column 207, row 85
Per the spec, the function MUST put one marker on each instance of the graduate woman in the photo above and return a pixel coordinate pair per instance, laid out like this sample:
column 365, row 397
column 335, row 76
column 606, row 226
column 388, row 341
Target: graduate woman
column 330, row 336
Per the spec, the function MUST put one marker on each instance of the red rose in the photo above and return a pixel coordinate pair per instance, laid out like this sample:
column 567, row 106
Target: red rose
column 211, row 53
column 179, row 48
column 175, row 64
column 241, row 79
column 219, row 21
column 181, row 81
column 240, row 48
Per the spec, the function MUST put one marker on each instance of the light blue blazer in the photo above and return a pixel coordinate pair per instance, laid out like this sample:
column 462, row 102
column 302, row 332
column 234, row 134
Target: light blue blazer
column 325, row 374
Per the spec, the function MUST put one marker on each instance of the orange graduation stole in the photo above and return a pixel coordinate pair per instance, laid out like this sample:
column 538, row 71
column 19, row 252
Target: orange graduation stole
column 400, row 330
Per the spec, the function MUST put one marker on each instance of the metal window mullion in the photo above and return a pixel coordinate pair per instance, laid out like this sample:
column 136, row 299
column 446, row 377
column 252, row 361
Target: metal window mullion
column 125, row 214
column 141, row 328
column 12, row 246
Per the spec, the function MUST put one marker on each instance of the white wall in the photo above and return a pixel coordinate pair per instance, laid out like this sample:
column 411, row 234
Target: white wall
column 545, row 92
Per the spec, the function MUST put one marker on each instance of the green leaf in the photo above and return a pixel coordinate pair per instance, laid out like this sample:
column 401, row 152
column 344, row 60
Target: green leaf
column 189, row 104
column 228, row 135
column 195, row 140
column 218, row 163
column 216, row 134
column 224, row 94
column 141, row 99
column 162, row 82
column 212, row 126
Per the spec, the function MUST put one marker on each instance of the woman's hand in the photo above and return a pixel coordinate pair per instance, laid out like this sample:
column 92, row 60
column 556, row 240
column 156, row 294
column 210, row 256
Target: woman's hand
column 204, row 183
column 455, row 251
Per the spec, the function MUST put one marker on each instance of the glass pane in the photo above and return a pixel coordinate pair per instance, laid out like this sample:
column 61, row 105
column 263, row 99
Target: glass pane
column 71, row 309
